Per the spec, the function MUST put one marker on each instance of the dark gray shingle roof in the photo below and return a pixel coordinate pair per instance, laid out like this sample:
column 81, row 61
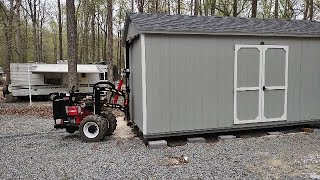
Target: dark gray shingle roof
column 163, row 23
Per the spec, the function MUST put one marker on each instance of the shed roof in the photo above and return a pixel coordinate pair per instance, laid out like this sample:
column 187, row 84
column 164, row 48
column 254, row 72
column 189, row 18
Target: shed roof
column 184, row 24
column 63, row 68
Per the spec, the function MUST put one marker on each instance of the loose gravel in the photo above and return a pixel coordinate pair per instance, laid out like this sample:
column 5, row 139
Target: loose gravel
column 30, row 148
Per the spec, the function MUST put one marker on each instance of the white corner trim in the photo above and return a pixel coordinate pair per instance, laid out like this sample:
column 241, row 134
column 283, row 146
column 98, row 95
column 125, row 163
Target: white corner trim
column 144, row 84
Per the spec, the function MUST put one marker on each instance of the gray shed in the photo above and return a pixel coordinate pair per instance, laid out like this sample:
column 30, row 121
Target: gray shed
column 196, row 74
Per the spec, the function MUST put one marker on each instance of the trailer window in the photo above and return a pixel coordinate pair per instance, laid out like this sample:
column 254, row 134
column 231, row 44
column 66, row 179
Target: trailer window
column 101, row 75
column 53, row 78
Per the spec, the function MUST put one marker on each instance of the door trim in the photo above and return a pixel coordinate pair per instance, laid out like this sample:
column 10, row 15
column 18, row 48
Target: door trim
column 236, row 89
column 260, row 118
column 285, row 87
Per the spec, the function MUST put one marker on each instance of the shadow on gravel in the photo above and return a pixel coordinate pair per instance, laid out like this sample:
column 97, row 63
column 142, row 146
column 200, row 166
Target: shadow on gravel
column 71, row 136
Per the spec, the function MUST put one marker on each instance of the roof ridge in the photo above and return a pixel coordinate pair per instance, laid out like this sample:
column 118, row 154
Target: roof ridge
column 167, row 23
column 227, row 17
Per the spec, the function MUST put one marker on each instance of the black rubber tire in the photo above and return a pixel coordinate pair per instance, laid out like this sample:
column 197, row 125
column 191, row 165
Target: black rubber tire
column 102, row 124
column 112, row 122
column 72, row 129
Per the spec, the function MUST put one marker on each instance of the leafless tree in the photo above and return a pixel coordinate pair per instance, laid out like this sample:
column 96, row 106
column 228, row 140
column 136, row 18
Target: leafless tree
column 254, row 9
column 110, row 40
column 60, row 31
column 72, row 44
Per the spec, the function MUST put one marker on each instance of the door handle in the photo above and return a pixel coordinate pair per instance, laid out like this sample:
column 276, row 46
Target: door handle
column 263, row 88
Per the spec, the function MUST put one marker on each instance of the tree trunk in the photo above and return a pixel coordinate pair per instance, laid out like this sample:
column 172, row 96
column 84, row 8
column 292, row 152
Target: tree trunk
column 41, row 56
column 55, row 48
column 18, row 34
column 72, row 44
column 179, row 6
column 235, row 8
column 200, row 7
column 132, row 5
column 140, row 5
column 60, row 31
column 25, row 45
column 93, row 34
column 8, row 33
column 105, row 40
column 98, row 38
column 254, row 9
column 196, row 7
column 86, row 33
column 33, row 15
column 276, row 9
column 311, row 10
column 9, row 52
column 169, row 9
column 157, row 6
column 206, row 7
column 213, row 7
column 286, row 9
column 118, row 52
column 110, row 40
column 306, row 11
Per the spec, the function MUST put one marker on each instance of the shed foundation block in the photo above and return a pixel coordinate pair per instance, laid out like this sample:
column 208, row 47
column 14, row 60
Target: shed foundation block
column 226, row 137
column 196, row 140
column 159, row 144
column 274, row 133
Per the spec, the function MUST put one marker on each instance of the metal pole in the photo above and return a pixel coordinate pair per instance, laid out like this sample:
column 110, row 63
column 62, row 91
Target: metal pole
column 29, row 80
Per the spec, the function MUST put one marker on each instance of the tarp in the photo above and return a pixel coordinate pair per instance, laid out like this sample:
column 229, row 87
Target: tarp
column 63, row 68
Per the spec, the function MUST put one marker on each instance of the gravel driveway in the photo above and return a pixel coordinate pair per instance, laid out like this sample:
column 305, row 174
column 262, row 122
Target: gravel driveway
column 30, row 148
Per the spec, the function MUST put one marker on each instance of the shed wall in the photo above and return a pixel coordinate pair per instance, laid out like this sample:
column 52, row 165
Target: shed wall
column 136, row 83
column 189, row 81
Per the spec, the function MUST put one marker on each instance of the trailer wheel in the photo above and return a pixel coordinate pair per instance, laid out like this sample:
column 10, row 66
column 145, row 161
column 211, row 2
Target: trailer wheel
column 72, row 129
column 93, row 128
column 112, row 122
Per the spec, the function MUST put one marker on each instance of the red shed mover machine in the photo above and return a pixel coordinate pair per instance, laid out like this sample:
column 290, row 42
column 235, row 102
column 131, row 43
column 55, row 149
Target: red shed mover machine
column 90, row 113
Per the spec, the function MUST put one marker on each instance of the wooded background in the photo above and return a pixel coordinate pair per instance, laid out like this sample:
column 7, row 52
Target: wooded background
column 36, row 30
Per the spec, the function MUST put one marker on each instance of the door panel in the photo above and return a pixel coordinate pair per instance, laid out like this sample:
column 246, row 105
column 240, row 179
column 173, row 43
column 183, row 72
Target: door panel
column 275, row 65
column 248, row 105
column 274, row 80
column 273, row 104
column 248, row 67
column 247, row 83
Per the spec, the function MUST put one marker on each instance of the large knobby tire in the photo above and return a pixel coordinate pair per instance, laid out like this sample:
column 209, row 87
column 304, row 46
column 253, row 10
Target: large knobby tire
column 93, row 128
column 112, row 122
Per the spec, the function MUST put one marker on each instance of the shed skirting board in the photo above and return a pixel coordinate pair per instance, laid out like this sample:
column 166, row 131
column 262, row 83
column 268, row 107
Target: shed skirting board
column 144, row 85
column 241, row 127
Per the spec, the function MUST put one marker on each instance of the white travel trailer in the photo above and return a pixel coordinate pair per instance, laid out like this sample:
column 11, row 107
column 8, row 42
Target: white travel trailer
column 42, row 79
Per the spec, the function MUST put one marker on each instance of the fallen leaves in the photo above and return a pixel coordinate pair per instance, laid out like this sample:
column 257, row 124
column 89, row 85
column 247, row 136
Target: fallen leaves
column 26, row 110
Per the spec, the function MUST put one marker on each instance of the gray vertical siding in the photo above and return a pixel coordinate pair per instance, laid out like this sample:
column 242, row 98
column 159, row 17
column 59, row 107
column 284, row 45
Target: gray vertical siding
column 189, row 81
column 310, row 80
column 136, row 83
column 179, row 84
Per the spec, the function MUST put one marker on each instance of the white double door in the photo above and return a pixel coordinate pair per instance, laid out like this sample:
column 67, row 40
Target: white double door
column 260, row 83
